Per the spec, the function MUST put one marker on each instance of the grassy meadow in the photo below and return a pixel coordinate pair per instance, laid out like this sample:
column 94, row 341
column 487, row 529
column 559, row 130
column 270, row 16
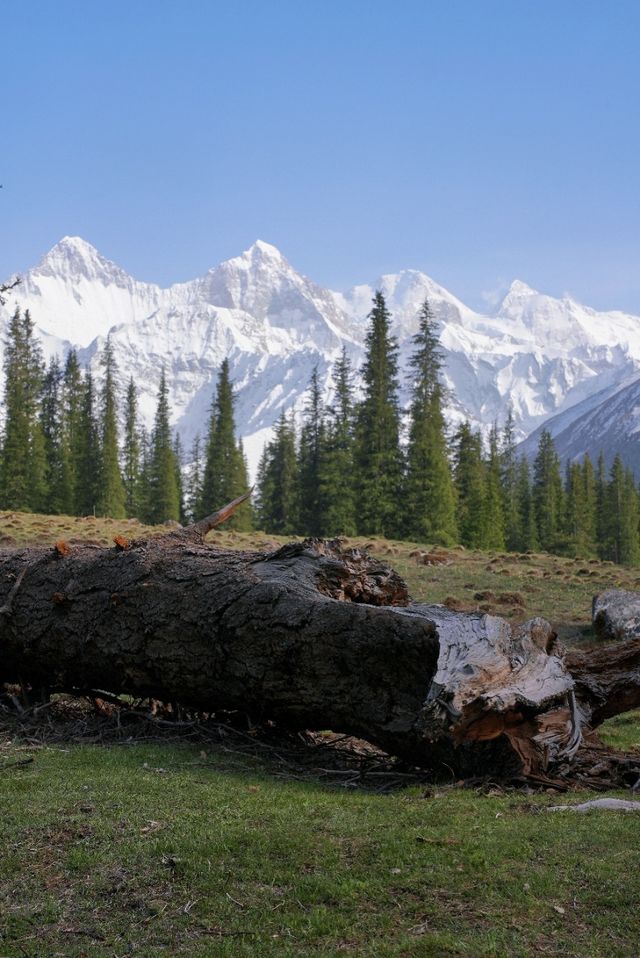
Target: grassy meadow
column 150, row 846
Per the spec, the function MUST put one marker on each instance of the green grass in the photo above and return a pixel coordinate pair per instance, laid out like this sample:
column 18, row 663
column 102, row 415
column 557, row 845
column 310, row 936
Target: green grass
column 164, row 849
column 155, row 850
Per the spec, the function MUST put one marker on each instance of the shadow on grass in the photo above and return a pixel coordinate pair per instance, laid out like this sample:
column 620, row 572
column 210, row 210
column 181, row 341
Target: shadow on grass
column 229, row 740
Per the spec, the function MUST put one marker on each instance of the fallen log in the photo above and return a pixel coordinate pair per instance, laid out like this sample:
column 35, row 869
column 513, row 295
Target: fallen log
column 312, row 636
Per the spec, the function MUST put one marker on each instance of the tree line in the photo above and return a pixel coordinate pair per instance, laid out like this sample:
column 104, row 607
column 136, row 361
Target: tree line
column 355, row 467
column 347, row 472
column 62, row 450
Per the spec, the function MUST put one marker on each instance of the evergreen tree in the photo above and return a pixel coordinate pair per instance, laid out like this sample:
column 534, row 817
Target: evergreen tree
column 429, row 500
column 492, row 511
column 111, row 492
column 163, row 501
column 225, row 473
column 52, row 432
column 23, row 460
column 469, row 474
column 72, row 400
column 590, row 521
column 378, row 455
column 622, row 543
column 601, row 507
column 88, row 452
column 573, row 504
column 337, row 493
column 278, row 485
column 38, row 488
column 145, row 474
column 513, row 530
column 310, row 456
column 528, row 536
column 131, row 472
column 179, row 457
column 579, row 509
column 194, row 486
column 630, row 539
column 547, row 493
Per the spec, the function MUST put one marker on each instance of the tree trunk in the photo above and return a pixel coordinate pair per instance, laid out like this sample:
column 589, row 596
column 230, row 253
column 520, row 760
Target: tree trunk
column 310, row 636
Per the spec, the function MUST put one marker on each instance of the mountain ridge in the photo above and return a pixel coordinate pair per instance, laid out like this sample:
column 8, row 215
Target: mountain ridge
column 538, row 354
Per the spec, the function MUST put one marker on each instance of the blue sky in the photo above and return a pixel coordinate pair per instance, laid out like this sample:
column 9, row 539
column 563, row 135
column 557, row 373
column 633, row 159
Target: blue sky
column 478, row 141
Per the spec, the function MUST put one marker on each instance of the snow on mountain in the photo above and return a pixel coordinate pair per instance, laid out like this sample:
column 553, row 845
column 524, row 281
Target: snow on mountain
column 607, row 423
column 540, row 354
column 273, row 324
column 76, row 294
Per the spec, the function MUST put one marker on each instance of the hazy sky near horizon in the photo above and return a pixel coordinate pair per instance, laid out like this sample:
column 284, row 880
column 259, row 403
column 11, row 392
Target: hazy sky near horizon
column 477, row 140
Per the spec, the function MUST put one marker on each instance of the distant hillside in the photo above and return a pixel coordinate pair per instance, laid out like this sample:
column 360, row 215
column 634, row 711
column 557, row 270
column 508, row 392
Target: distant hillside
column 608, row 422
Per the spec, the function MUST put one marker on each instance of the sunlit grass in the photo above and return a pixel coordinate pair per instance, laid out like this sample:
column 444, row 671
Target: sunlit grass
column 161, row 850
column 168, row 850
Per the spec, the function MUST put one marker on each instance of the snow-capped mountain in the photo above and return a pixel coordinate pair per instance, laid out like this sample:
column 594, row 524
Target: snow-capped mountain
column 607, row 423
column 541, row 355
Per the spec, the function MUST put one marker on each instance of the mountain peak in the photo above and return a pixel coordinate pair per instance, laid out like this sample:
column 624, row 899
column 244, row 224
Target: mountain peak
column 519, row 288
column 72, row 247
column 259, row 256
column 264, row 251
column 519, row 296
column 75, row 257
column 76, row 244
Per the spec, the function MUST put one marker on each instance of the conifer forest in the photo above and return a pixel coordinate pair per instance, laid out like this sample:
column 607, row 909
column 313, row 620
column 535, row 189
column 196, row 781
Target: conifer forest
column 361, row 466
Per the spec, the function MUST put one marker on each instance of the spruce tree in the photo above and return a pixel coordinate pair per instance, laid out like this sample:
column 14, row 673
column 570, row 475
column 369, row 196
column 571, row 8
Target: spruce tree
column 573, row 489
column 378, row 456
column 163, row 502
column 513, row 529
column 194, row 485
column 337, row 492
column 622, row 543
column 225, row 473
column 23, row 458
column 492, row 510
column 547, row 493
column 111, row 492
column 145, row 474
column 579, row 509
column 72, row 400
column 277, row 505
column 590, row 520
column 469, row 474
column 528, row 536
column 131, row 466
column 602, row 517
column 88, row 452
column 310, row 461
column 429, row 499
column 38, row 485
column 52, row 431
column 630, row 545
column 179, row 457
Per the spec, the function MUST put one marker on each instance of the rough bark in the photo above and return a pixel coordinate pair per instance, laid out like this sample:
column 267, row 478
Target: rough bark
column 311, row 636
